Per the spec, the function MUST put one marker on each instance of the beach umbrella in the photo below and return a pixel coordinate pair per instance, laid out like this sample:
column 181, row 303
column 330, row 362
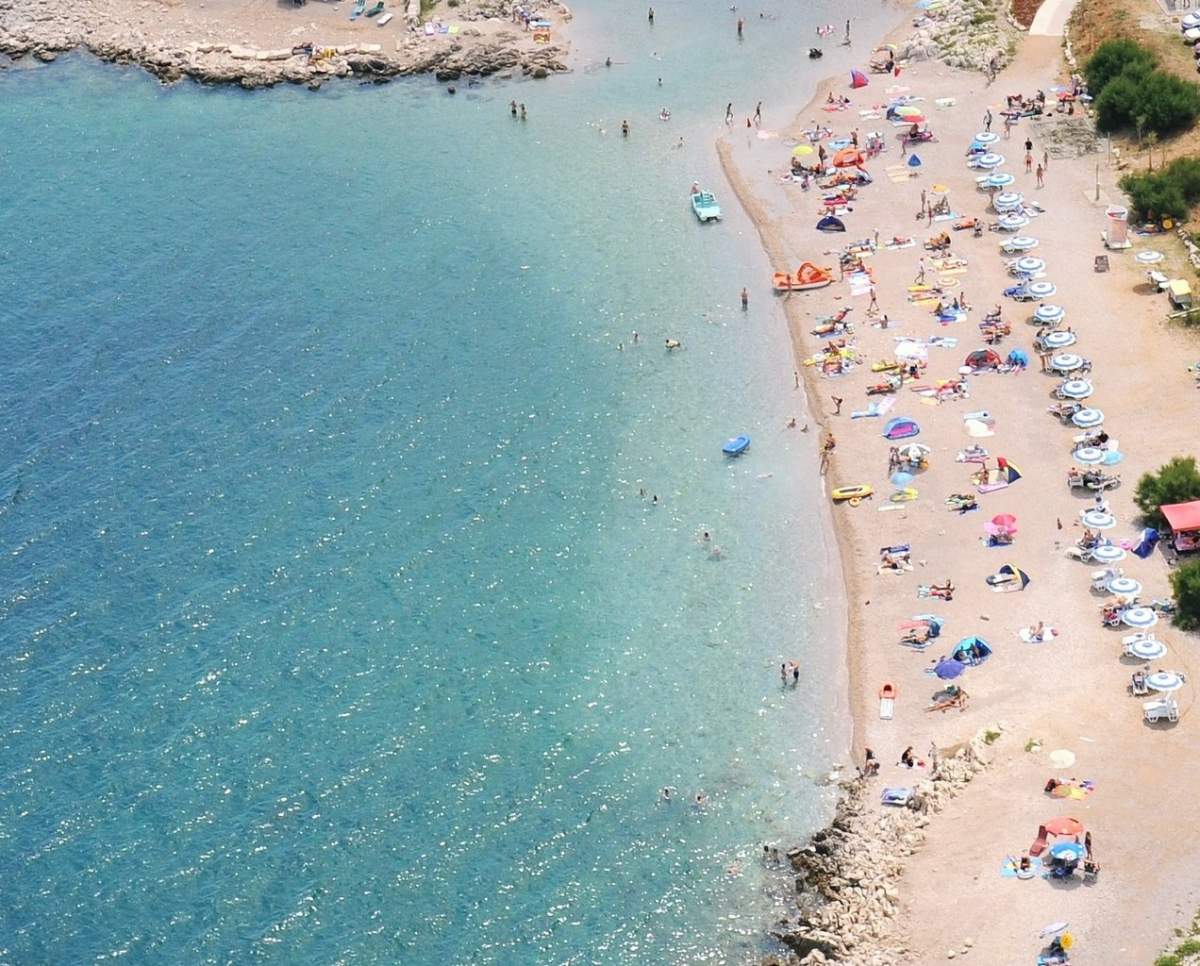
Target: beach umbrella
column 977, row 428
column 1022, row 243
column 1030, row 265
column 1112, row 457
column 947, row 669
column 1065, row 362
column 1148, row 257
column 987, row 137
column 1088, row 418
column 1005, row 522
column 990, row 160
column 1053, row 929
column 1076, row 389
column 1148, row 650
column 1048, row 313
column 911, row 350
column 901, row 478
column 857, row 78
column 1098, row 520
column 1067, row 850
column 848, row 158
column 1164, row 681
column 914, row 161
column 1058, row 340
column 1108, row 553
column 1089, row 455
column 999, row 179
column 914, row 452
column 1064, row 826
column 1008, row 199
column 802, row 151
column 1013, row 222
column 1042, row 290
column 1139, row 617
column 1124, row 587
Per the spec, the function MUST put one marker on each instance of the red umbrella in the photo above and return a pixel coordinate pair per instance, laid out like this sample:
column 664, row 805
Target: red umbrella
column 1064, row 826
column 1005, row 521
column 848, row 158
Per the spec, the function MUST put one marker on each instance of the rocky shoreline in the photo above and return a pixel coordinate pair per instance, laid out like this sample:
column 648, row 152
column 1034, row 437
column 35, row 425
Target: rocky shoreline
column 969, row 34
column 847, row 877
column 496, row 46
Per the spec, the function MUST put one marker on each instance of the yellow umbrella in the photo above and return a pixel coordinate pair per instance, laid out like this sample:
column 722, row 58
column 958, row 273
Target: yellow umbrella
column 800, row 150
column 1067, row 940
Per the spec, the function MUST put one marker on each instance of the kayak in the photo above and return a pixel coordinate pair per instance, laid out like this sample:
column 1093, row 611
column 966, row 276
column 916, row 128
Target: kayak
column 853, row 495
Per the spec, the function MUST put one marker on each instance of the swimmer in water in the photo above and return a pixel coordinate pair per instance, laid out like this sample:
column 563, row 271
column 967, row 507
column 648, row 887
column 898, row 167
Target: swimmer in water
column 666, row 793
column 701, row 799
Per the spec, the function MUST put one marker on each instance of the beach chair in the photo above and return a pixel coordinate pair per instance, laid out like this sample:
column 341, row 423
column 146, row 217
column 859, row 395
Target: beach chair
column 1137, row 685
column 1162, row 709
column 1039, row 844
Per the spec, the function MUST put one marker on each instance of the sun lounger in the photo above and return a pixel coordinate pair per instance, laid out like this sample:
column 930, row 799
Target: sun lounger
column 1039, row 844
column 1163, row 709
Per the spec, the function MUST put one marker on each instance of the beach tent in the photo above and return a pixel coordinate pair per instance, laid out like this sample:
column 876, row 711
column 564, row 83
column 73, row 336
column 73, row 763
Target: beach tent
column 971, row 651
column 914, row 161
column 1184, row 520
column 1009, row 577
column 901, row 428
column 857, row 78
column 982, row 359
column 848, row 158
column 1147, row 543
column 829, row 223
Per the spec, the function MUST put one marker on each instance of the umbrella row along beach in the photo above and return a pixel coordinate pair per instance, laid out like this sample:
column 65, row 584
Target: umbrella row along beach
column 930, row 328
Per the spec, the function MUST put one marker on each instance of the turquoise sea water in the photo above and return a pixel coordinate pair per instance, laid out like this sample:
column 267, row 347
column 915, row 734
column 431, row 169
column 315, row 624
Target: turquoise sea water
column 333, row 627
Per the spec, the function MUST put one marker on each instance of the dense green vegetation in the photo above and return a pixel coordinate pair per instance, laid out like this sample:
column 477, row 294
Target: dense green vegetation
column 1170, row 191
column 1132, row 94
column 1185, row 585
column 1176, row 482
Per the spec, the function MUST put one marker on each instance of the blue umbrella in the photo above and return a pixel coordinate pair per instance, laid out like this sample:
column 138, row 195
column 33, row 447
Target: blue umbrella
column 1002, row 179
column 1049, row 313
column 1067, row 850
column 901, row 478
column 914, row 161
column 948, row 668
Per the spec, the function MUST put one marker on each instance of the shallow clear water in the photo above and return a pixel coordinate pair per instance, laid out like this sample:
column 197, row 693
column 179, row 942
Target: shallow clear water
column 333, row 627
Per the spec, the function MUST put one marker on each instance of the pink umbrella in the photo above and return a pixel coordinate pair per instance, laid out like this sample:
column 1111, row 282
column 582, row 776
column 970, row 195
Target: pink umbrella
column 1004, row 523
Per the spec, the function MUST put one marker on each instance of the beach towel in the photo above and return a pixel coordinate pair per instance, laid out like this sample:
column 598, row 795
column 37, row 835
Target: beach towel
column 894, row 247
column 1009, row 869
column 429, row 31
column 1048, row 635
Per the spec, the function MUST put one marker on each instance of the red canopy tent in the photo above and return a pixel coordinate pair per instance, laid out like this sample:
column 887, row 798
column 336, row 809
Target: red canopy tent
column 1184, row 520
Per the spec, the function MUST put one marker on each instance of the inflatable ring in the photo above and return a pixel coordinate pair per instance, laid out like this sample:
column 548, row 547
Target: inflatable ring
column 854, row 500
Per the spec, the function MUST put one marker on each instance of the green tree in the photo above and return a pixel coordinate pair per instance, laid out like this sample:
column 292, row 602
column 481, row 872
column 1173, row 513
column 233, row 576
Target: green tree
column 1114, row 58
column 1185, row 584
column 1176, row 482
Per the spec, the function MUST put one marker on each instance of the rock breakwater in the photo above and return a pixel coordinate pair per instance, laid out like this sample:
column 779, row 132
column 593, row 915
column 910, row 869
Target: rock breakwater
column 970, row 34
column 847, row 876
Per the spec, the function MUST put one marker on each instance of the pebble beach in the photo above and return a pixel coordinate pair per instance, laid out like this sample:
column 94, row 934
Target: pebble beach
column 1056, row 709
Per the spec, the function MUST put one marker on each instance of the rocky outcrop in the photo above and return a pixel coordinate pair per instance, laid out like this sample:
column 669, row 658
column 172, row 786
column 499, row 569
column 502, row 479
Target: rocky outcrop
column 971, row 34
column 58, row 27
column 847, row 876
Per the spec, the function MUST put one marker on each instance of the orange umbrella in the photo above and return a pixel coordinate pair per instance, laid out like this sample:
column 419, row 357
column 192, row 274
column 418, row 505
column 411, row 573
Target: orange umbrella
column 1064, row 826
column 848, row 158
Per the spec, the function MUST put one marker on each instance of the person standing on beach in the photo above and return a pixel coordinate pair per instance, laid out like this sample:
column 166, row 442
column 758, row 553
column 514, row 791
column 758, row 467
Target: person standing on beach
column 650, row 16
column 847, row 33
column 920, row 279
column 796, row 373
column 745, row 299
column 740, row 24
column 1040, row 175
column 729, row 113
column 1028, row 162
column 1007, row 127
column 1045, row 160
column 837, row 405
column 758, row 113
column 987, row 120
column 874, row 306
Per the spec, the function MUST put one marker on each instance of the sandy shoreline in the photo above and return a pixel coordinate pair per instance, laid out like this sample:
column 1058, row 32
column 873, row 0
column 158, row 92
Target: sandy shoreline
column 266, row 42
column 1068, row 694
